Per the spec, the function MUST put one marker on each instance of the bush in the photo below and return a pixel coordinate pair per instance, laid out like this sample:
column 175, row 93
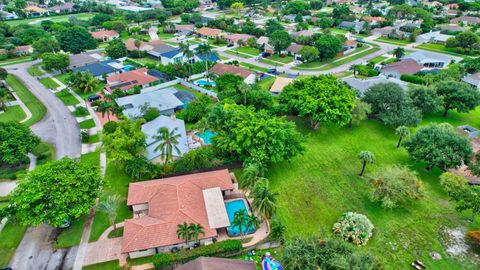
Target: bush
column 218, row 249
column 151, row 114
column 412, row 79
column 354, row 227
column 110, row 127
column 85, row 136
column 201, row 158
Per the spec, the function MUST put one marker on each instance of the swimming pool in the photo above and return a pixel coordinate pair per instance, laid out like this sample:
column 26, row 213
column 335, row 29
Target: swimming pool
column 206, row 136
column 203, row 82
column 232, row 207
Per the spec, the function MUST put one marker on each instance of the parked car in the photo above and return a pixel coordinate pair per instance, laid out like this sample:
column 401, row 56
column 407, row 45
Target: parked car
column 359, row 39
column 230, row 45
column 265, row 54
column 272, row 71
column 93, row 97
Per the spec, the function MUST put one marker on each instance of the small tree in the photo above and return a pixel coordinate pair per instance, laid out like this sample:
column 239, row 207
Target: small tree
column 354, row 227
column 137, row 44
column 365, row 157
column 195, row 231
column 109, row 206
column 402, row 132
column 466, row 196
column 359, row 112
column 395, row 185
column 184, row 232
column 399, row 52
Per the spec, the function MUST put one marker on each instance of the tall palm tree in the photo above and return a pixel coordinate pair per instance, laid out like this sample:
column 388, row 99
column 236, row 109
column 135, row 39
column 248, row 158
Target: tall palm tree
column 399, row 52
column 187, row 53
column 244, row 89
column 87, row 83
column 3, row 99
column 252, row 221
column 183, row 232
column 168, row 143
column 366, row 157
column 240, row 220
column 264, row 200
column 205, row 49
column 195, row 231
column 108, row 108
column 251, row 174
column 401, row 132
column 109, row 206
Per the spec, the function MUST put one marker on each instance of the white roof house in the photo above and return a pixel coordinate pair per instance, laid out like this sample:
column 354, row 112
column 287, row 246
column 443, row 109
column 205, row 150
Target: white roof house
column 163, row 99
column 433, row 37
column 151, row 128
column 430, row 59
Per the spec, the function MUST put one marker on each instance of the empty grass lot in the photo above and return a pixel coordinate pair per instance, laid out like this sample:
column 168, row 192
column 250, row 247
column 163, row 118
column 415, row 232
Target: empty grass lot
column 317, row 187
column 36, row 107
column 67, row 97
column 13, row 113
column 399, row 42
column 49, row 83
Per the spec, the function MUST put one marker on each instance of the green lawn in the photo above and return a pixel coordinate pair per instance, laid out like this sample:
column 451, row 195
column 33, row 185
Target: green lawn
column 249, row 50
column 266, row 83
column 399, row 42
column 36, row 107
column 86, row 124
column 266, row 61
column 49, row 83
column 162, row 35
column 61, row 18
column 13, row 113
column 285, row 59
column 116, row 182
column 317, row 187
column 84, row 96
column 67, row 97
column 234, row 52
column 441, row 49
column 34, row 71
column 11, row 237
column 94, row 138
column 181, row 87
column 111, row 265
column 378, row 59
column 338, row 60
column 146, row 61
column 63, row 77
column 253, row 67
column 16, row 60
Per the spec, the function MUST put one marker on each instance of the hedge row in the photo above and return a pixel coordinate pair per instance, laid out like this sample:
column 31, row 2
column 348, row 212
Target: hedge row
column 218, row 249
column 412, row 79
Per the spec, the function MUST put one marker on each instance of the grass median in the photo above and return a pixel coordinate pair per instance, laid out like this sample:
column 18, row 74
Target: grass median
column 33, row 104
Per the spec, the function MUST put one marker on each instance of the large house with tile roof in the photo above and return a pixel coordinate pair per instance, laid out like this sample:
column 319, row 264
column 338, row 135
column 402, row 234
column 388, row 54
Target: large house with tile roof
column 128, row 80
column 219, row 69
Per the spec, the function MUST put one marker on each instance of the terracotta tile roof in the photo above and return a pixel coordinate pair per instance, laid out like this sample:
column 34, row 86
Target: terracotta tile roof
column 144, row 46
column 209, row 263
column 211, row 32
column 221, row 69
column 236, row 37
column 35, row 9
column 128, row 80
column 171, row 201
column 104, row 33
column 408, row 66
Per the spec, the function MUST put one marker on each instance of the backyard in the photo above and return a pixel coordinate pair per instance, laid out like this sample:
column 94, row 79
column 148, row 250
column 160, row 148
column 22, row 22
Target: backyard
column 316, row 188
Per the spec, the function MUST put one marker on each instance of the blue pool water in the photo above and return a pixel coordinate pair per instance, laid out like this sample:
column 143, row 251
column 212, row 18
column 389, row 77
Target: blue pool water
column 203, row 82
column 232, row 207
column 128, row 67
column 207, row 136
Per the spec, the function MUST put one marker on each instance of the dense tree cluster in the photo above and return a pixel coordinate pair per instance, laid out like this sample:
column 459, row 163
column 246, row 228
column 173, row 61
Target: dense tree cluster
column 16, row 141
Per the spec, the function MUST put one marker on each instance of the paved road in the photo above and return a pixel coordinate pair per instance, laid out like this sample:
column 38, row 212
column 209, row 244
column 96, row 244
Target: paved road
column 58, row 127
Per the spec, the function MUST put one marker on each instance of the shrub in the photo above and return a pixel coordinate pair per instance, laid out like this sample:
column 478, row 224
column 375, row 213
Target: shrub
column 201, row 158
column 354, row 227
column 151, row 114
column 412, row 79
column 85, row 136
column 110, row 127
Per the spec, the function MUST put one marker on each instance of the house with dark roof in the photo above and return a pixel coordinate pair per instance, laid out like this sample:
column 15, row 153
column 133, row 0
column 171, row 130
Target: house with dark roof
column 396, row 69
column 363, row 85
column 211, row 263
column 294, row 49
column 101, row 69
column 160, row 205
column 128, row 80
column 82, row 59
column 357, row 26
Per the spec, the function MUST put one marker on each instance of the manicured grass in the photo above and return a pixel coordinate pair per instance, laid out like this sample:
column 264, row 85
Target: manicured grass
column 49, row 83
column 36, row 107
column 441, row 49
column 16, row 60
column 266, row 61
column 116, row 182
column 146, row 61
column 349, row 59
column 253, row 67
column 84, row 96
column 94, row 138
column 234, row 52
column 223, row 57
column 71, row 236
column 181, row 87
column 34, row 71
column 285, row 59
column 378, row 59
column 61, row 18
column 116, row 233
column 317, row 187
column 89, row 123
column 111, row 265
column 13, row 113
column 67, row 97
column 63, row 77
column 11, row 236
column 338, row 60
column 266, row 83
column 162, row 35
column 399, row 42
column 249, row 50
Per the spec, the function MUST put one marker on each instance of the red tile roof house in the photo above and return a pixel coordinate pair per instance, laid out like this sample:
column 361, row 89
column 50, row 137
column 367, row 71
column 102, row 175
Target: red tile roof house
column 206, row 32
column 395, row 70
column 127, row 80
column 160, row 205
column 234, row 38
column 219, row 69
column 105, row 35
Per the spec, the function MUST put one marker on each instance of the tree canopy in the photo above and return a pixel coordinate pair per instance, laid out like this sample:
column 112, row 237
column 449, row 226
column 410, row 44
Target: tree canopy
column 56, row 192
column 16, row 140
column 127, row 142
column 55, row 61
column 76, row 40
column 116, row 49
column 425, row 99
column 322, row 98
column 466, row 196
column 280, row 40
column 457, row 96
column 328, row 46
column 439, row 145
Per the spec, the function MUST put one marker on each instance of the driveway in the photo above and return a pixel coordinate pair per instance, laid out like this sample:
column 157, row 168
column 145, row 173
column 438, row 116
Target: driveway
column 58, row 127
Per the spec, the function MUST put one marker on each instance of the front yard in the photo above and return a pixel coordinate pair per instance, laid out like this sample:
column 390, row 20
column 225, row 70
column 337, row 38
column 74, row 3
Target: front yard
column 49, row 83
column 399, row 42
column 282, row 59
column 36, row 107
column 249, row 50
column 67, row 97
column 441, row 49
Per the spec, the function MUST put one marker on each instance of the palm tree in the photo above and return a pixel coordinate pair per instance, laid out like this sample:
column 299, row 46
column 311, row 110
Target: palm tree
column 109, row 206
column 244, row 89
column 205, row 49
column 366, row 157
column 108, row 108
column 169, row 142
column 264, row 200
column 3, row 99
column 187, row 53
column 195, row 231
column 251, row 175
column 399, row 52
column 252, row 221
column 401, row 132
column 240, row 221
column 137, row 44
column 183, row 232
column 354, row 68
